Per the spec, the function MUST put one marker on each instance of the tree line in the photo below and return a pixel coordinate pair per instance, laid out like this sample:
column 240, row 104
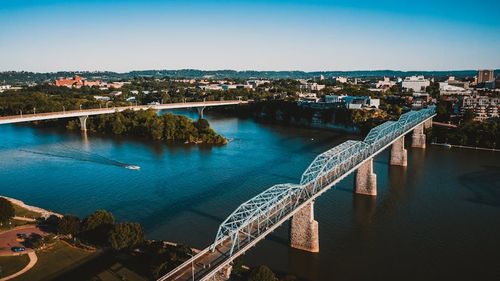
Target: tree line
column 148, row 124
column 470, row 133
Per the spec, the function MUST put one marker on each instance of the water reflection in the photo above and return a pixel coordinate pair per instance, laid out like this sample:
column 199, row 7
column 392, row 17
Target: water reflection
column 364, row 207
column 483, row 185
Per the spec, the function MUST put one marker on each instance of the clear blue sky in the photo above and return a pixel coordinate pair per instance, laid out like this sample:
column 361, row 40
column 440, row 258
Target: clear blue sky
column 44, row 35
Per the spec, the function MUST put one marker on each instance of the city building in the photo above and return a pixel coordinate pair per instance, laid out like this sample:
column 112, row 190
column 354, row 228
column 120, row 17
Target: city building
column 333, row 99
column 4, row 88
column 102, row 98
column 76, row 82
column 484, row 107
column 384, row 85
column 312, row 86
column 453, row 82
column 309, row 97
column 485, row 79
column 257, row 83
column 416, row 83
column 212, row 87
column 454, row 87
column 341, row 79
column 485, row 75
column 353, row 102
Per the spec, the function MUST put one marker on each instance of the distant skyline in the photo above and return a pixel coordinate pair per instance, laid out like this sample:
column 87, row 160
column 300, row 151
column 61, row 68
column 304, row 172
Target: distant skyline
column 76, row 35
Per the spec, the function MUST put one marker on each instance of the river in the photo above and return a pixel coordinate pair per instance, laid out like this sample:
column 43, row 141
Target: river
column 437, row 219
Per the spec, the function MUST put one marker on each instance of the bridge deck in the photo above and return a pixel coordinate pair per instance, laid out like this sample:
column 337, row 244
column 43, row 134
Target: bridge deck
column 99, row 111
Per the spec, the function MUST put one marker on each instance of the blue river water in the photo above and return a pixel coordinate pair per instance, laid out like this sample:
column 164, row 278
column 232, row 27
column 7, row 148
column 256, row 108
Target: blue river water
column 437, row 219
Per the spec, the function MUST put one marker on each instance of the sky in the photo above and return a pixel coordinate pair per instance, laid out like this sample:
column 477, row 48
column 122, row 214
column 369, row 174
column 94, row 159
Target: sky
column 315, row 35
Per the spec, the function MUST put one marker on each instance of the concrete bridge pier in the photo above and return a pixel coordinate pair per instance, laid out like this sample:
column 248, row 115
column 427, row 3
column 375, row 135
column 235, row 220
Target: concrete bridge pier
column 399, row 155
column 200, row 112
column 304, row 230
column 224, row 274
column 428, row 124
column 366, row 180
column 83, row 123
column 418, row 137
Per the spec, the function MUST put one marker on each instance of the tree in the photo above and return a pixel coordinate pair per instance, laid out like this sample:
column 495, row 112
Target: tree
column 97, row 219
column 96, row 227
column 262, row 273
column 69, row 225
column 53, row 220
column 202, row 125
column 118, row 126
column 443, row 111
column 469, row 116
column 125, row 235
column 7, row 211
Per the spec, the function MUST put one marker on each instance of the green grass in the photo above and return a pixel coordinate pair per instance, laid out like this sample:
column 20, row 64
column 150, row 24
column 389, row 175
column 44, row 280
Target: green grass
column 118, row 272
column 14, row 223
column 54, row 261
column 11, row 265
column 22, row 212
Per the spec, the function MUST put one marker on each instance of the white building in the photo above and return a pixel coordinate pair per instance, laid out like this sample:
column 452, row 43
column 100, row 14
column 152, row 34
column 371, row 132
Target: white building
column 353, row 102
column 4, row 88
column 309, row 97
column 416, row 83
column 386, row 83
column 341, row 79
column 102, row 98
column 312, row 87
column 256, row 83
column 213, row 87
column 447, row 90
column 333, row 98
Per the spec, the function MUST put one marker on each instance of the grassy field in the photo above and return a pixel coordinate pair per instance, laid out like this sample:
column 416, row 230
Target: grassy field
column 54, row 261
column 118, row 272
column 108, row 266
column 22, row 212
column 11, row 265
column 13, row 224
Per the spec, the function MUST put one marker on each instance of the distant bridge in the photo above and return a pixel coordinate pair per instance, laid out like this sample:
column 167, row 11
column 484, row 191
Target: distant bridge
column 83, row 114
column 253, row 220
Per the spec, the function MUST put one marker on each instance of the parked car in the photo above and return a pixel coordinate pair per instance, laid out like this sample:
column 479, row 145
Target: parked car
column 18, row 249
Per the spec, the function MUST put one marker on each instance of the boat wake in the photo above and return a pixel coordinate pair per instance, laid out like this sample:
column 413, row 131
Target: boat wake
column 67, row 152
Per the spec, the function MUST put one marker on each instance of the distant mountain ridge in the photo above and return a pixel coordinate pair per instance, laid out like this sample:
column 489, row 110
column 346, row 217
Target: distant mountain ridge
column 13, row 77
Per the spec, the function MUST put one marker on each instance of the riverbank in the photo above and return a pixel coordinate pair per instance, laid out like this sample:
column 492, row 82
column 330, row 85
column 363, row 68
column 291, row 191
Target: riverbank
column 467, row 147
column 61, row 256
column 469, row 134
column 43, row 212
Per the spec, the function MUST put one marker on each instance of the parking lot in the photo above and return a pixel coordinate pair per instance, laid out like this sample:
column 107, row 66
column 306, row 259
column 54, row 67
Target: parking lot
column 9, row 239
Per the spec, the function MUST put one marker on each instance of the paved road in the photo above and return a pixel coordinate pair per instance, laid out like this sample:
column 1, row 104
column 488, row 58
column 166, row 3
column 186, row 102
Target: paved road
column 24, row 219
column 444, row 124
column 8, row 239
column 33, row 260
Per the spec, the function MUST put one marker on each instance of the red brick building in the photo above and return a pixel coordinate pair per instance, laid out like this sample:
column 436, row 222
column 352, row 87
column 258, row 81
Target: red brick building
column 76, row 82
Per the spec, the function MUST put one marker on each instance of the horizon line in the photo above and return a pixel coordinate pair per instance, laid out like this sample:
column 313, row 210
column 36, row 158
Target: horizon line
column 252, row 70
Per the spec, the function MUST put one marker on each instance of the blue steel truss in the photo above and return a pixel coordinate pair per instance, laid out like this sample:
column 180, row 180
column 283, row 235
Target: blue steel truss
column 255, row 216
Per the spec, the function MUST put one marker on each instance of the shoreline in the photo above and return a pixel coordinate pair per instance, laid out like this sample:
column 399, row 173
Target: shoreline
column 43, row 212
column 464, row 146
